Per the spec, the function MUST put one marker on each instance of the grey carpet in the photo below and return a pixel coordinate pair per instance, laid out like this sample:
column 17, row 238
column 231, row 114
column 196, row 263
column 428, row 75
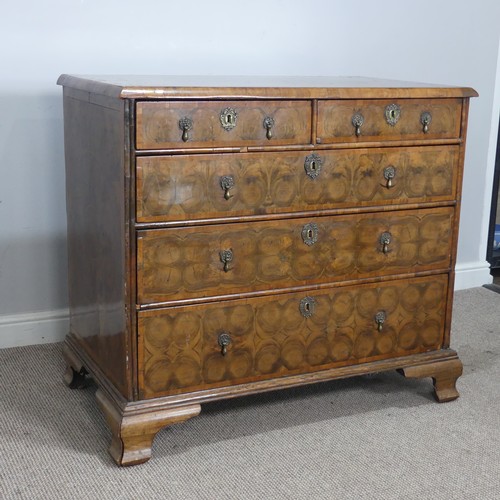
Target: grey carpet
column 372, row 437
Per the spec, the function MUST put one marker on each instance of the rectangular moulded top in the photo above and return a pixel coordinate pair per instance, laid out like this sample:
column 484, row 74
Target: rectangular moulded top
column 256, row 87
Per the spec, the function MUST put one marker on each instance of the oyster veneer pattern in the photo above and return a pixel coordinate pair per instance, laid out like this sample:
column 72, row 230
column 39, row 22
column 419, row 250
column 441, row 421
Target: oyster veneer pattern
column 173, row 188
column 270, row 337
column 185, row 263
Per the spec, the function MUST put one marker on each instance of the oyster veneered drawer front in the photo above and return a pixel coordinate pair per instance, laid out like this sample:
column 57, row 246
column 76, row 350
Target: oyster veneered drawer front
column 224, row 259
column 388, row 120
column 198, row 124
column 190, row 348
column 178, row 188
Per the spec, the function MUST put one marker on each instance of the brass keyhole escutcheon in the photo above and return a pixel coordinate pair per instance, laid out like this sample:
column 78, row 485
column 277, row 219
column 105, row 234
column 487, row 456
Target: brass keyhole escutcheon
column 307, row 306
column 392, row 114
column 310, row 233
column 228, row 117
column 312, row 165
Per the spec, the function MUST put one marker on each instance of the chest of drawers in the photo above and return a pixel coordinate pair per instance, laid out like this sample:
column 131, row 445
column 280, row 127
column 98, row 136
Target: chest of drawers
column 228, row 236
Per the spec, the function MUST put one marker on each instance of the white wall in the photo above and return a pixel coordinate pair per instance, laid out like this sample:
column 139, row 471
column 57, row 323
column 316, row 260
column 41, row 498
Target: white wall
column 447, row 41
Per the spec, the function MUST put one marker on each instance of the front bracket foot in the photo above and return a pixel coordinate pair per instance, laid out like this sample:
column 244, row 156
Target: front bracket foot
column 133, row 431
column 444, row 376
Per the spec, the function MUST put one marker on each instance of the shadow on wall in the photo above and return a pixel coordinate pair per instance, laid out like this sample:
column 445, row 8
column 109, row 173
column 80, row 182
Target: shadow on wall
column 33, row 260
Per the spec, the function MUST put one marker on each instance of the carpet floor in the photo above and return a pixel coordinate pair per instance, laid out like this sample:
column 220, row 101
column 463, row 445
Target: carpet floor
column 370, row 437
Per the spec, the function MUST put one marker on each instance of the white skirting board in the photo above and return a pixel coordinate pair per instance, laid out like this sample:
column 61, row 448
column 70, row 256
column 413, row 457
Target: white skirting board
column 52, row 326
column 33, row 328
column 472, row 274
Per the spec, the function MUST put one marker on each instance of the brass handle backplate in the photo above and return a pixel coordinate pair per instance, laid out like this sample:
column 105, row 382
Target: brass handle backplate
column 228, row 117
column 185, row 124
column 385, row 239
column 389, row 174
column 226, row 183
column 380, row 318
column 357, row 121
column 425, row 120
column 224, row 340
column 310, row 233
column 392, row 114
column 307, row 306
column 312, row 165
column 226, row 257
column 268, row 125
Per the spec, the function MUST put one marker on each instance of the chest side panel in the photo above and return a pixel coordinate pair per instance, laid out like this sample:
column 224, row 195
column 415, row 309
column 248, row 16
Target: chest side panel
column 97, row 228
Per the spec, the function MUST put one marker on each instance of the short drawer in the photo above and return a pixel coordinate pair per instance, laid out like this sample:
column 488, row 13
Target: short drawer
column 198, row 124
column 190, row 348
column 193, row 262
column 388, row 120
column 178, row 188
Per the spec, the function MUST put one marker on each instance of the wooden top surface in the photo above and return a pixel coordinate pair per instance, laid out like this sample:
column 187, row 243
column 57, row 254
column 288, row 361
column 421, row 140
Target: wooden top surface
column 263, row 87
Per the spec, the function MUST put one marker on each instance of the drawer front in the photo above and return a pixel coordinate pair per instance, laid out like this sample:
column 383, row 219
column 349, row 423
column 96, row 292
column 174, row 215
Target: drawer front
column 214, row 260
column 193, row 124
column 178, row 188
column 388, row 120
column 181, row 349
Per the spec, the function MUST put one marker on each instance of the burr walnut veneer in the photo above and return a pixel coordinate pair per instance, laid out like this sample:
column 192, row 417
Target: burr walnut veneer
column 228, row 236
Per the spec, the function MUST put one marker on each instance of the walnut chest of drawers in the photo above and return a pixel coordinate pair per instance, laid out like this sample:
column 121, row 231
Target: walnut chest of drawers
column 228, row 236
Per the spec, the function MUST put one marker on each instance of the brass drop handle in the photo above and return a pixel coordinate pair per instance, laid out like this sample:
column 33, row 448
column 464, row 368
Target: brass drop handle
column 357, row 121
column 380, row 319
column 389, row 174
column 268, row 125
column 425, row 120
column 385, row 239
column 185, row 124
column 226, row 257
column 224, row 340
column 226, row 183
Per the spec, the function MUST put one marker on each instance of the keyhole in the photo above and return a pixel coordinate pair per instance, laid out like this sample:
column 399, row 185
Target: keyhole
column 309, row 233
column 229, row 119
column 393, row 114
column 307, row 306
column 313, row 165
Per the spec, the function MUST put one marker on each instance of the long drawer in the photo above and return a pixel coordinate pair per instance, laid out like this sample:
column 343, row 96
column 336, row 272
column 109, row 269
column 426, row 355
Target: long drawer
column 184, row 349
column 388, row 120
column 195, row 124
column 201, row 261
column 178, row 188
